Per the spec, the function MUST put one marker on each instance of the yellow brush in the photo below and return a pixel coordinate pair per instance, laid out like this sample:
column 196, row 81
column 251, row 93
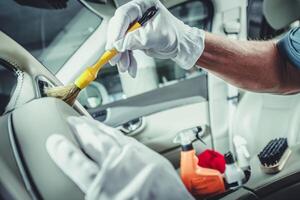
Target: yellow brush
column 69, row 93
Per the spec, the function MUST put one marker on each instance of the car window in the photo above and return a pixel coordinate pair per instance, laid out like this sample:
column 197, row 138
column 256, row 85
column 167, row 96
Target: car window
column 52, row 36
column 257, row 26
column 110, row 86
column 195, row 14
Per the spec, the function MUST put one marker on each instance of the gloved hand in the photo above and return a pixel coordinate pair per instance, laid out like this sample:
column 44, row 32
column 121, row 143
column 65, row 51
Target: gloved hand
column 164, row 36
column 122, row 168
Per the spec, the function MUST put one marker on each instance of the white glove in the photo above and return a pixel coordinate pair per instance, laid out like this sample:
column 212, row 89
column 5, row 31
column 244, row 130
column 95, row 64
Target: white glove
column 163, row 36
column 122, row 168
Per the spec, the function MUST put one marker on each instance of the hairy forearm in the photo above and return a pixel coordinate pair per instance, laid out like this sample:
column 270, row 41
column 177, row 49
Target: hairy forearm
column 250, row 65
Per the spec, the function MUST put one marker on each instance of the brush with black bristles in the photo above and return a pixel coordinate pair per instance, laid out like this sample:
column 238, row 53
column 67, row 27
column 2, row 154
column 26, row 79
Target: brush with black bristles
column 274, row 156
column 69, row 93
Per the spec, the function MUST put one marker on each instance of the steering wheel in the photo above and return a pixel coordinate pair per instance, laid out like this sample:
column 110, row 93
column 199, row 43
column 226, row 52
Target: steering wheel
column 27, row 121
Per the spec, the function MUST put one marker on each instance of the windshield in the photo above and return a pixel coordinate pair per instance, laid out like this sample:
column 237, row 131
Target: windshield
column 51, row 36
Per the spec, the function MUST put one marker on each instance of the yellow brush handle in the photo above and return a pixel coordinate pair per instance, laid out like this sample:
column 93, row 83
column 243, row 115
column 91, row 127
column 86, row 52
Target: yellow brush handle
column 91, row 73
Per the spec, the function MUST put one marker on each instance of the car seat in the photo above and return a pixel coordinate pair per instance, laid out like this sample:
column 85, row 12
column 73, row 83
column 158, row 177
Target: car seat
column 262, row 117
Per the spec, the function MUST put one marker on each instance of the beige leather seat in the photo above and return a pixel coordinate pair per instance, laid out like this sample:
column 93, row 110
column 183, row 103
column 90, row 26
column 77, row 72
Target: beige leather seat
column 262, row 117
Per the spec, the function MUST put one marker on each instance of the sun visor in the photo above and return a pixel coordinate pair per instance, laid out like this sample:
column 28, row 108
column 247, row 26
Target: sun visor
column 281, row 13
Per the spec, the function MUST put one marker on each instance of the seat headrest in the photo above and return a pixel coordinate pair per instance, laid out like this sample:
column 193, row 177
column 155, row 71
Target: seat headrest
column 281, row 13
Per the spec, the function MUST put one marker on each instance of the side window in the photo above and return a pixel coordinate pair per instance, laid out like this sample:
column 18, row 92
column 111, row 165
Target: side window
column 52, row 36
column 195, row 14
column 258, row 27
column 111, row 86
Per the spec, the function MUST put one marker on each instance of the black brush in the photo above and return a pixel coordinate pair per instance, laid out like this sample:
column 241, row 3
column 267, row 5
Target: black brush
column 274, row 156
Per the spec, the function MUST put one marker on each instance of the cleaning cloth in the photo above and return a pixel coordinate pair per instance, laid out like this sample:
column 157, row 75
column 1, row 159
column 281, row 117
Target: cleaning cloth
column 212, row 159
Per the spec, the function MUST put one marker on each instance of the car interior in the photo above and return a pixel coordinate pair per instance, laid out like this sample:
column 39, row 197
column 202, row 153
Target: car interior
column 49, row 44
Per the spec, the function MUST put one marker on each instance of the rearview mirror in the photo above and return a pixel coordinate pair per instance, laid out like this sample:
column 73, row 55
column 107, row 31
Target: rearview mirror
column 93, row 95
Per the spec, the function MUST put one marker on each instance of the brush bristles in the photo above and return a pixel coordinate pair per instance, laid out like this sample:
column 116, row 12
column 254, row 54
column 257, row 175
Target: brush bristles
column 273, row 152
column 66, row 93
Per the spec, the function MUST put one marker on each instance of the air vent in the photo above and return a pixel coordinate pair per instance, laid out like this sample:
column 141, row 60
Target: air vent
column 42, row 83
column 99, row 115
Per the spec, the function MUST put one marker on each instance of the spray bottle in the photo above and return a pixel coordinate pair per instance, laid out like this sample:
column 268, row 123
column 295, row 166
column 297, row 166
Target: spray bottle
column 242, row 155
column 234, row 175
column 201, row 182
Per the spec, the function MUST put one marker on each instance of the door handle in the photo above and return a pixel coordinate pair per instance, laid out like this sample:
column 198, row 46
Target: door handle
column 200, row 131
column 132, row 127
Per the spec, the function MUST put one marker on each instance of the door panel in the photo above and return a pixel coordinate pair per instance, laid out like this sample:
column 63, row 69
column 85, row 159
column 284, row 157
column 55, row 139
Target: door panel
column 182, row 93
column 156, row 117
column 161, row 128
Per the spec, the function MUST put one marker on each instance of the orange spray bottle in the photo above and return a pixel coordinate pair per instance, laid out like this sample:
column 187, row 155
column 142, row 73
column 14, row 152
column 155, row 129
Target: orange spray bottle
column 201, row 182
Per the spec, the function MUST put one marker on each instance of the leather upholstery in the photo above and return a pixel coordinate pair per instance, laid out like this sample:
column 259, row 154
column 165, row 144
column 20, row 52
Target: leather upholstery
column 262, row 117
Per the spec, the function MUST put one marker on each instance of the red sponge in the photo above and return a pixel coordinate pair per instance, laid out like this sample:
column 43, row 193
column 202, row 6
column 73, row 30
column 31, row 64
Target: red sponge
column 212, row 159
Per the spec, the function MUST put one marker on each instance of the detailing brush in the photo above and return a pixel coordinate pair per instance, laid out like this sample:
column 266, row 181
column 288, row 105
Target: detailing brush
column 274, row 156
column 69, row 93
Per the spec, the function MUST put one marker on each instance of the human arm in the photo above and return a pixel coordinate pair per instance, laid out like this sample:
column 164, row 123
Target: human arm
column 252, row 65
